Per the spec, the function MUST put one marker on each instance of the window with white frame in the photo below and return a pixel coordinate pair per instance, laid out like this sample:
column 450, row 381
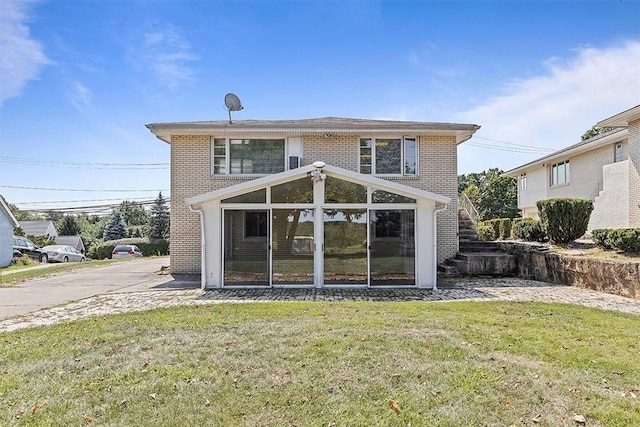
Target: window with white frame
column 247, row 156
column 560, row 173
column 389, row 156
column 523, row 182
column 618, row 155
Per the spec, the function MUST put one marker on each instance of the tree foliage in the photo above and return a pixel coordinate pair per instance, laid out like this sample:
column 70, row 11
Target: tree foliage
column 133, row 213
column 68, row 226
column 159, row 219
column 115, row 227
column 493, row 195
column 594, row 131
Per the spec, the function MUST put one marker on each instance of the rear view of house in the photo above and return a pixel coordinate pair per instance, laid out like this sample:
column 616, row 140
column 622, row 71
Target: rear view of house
column 604, row 168
column 313, row 203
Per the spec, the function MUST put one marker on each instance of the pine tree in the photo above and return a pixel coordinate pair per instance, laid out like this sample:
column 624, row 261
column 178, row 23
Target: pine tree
column 159, row 219
column 68, row 226
column 115, row 228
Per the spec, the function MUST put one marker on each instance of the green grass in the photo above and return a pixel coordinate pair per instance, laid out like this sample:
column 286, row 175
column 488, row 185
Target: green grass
column 313, row 364
column 20, row 273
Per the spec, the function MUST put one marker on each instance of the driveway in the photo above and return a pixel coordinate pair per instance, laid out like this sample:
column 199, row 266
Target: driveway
column 131, row 276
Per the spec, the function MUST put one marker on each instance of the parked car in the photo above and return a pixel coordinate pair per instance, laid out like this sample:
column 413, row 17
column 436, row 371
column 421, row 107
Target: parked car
column 62, row 253
column 23, row 246
column 126, row 251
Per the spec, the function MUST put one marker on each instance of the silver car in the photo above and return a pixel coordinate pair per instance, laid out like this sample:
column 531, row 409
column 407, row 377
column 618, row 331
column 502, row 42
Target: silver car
column 126, row 251
column 62, row 253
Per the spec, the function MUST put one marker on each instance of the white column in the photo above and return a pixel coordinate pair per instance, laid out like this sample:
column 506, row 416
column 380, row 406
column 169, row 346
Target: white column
column 425, row 252
column 318, row 233
column 213, row 250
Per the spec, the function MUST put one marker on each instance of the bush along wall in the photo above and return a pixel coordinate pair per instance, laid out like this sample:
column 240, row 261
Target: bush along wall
column 486, row 232
column 565, row 220
column 530, row 230
column 147, row 246
column 622, row 239
column 501, row 228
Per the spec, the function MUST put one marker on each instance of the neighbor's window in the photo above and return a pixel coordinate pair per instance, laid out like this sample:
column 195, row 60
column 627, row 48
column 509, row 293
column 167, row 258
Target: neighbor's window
column 388, row 156
column 617, row 152
column 523, row 182
column 560, row 173
column 255, row 224
column 247, row 156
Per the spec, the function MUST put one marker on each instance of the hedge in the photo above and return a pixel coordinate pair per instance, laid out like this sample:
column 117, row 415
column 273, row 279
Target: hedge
column 147, row 247
column 501, row 228
column 486, row 232
column 530, row 230
column 564, row 219
column 622, row 239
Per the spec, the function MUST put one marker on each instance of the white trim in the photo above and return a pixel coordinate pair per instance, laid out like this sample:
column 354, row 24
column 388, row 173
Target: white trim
column 403, row 149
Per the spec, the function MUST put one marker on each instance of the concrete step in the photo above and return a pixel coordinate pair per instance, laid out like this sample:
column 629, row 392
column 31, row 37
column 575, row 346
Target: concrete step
column 477, row 246
column 447, row 270
column 485, row 263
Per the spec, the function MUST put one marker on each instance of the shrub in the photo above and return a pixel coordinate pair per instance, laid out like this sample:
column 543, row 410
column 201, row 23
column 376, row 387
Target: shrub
column 504, row 226
column 147, row 246
column 530, row 230
column 23, row 260
column 623, row 239
column 495, row 225
column 486, row 232
column 564, row 219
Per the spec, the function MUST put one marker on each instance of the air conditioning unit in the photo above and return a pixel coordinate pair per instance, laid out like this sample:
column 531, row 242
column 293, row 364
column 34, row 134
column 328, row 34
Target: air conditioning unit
column 294, row 162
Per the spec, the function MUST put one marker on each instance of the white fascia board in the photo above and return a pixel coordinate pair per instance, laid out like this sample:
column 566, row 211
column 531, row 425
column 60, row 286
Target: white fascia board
column 563, row 154
column 286, row 176
column 9, row 214
column 621, row 119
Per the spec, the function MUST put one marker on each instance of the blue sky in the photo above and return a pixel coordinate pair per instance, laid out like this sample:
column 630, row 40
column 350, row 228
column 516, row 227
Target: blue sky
column 80, row 79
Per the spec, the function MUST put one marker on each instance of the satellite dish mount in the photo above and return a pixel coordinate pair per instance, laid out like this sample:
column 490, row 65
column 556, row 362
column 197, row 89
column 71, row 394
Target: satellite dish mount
column 232, row 103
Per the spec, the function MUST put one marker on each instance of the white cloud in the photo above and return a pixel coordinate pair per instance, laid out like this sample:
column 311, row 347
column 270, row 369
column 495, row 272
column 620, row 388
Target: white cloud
column 554, row 109
column 167, row 54
column 80, row 97
column 22, row 57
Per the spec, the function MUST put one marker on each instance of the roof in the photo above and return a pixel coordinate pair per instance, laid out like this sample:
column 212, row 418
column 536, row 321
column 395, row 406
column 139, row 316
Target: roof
column 36, row 228
column 292, row 174
column 7, row 212
column 621, row 119
column 573, row 150
column 70, row 241
column 317, row 126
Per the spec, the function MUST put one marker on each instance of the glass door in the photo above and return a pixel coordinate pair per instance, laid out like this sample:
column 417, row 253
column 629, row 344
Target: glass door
column 246, row 247
column 392, row 256
column 345, row 246
column 292, row 247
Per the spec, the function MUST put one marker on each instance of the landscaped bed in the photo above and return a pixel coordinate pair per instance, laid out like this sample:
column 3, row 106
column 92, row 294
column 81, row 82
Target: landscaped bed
column 440, row 364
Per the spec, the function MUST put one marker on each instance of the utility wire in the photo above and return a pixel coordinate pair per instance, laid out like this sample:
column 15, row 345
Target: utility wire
column 63, row 163
column 85, row 200
column 510, row 149
column 550, row 150
column 76, row 189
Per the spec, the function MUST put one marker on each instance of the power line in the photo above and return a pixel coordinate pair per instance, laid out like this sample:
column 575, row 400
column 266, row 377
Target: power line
column 82, row 165
column 510, row 149
column 549, row 150
column 84, row 200
column 76, row 189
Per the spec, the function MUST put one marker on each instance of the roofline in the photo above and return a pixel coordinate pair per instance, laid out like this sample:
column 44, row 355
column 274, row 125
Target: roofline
column 289, row 128
column 581, row 147
column 5, row 207
column 282, row 177
column 622, row 119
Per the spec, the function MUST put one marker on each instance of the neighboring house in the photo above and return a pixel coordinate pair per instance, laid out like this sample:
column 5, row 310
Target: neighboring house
column 604, row 168
column 313, row 203
column 7, row 224
column 39, row 228
column 73, row 241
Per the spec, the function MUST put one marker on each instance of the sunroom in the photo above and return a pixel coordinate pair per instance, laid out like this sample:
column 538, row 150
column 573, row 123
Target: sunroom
column 318, row 226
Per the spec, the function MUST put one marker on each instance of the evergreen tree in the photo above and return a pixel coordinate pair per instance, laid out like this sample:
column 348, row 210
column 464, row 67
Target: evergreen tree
column 115, row 228
column 159, row 219
column 133, row 213
column 68, row 226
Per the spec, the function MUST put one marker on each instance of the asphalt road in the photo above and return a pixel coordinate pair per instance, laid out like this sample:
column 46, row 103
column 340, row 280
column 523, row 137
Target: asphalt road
column 128, row 276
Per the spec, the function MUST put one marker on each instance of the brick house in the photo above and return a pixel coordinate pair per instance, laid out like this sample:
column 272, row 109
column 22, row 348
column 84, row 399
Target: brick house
column 313, row 203
column 604, row 168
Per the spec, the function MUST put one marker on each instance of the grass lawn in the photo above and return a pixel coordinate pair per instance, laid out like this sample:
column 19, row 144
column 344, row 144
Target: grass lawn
column 320, row 364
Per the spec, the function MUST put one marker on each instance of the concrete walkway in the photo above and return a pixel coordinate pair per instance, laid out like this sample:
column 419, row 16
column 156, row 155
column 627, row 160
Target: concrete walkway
column 162, row 292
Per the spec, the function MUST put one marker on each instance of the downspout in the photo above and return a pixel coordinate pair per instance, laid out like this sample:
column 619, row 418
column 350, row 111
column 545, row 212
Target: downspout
column 203, row 265
column 435, row 246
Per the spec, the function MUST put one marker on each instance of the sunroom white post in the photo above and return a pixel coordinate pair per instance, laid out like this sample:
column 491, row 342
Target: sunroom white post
column 425, row 238
column 318, row 233
column 213, row 251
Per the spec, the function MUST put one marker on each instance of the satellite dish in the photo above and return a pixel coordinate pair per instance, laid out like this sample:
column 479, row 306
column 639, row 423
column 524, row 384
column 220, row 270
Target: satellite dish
column 232, row 103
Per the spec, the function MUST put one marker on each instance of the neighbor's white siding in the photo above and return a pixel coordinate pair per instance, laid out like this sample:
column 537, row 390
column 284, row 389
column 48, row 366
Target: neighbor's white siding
column 6, row 240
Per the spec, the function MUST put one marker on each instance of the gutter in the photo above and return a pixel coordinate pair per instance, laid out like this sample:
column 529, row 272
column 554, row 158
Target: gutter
column 435, row 246
column 203, row 265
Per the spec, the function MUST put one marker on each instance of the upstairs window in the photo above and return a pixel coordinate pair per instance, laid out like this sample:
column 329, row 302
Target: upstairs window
column 560, row 173
column 523, row 182
column 388, row 156
column 618, row 155
column 247, row 156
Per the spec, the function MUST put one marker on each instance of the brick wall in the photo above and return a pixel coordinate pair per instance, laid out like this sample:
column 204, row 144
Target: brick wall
column 634, row 173
column 191, row 175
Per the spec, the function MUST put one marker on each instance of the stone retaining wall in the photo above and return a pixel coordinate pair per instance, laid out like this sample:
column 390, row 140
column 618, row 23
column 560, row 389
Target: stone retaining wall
column 619, row 278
